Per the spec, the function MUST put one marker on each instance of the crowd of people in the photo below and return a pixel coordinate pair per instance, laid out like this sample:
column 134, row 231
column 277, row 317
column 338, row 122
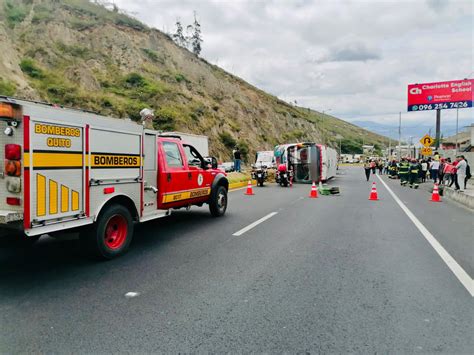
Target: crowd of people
column 412, row 172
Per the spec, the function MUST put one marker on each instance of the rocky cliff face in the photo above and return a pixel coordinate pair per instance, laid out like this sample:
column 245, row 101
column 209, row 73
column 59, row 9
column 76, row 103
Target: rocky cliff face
column 76, row 53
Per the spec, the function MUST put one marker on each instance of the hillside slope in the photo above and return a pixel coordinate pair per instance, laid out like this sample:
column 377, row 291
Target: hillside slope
column 76, row 53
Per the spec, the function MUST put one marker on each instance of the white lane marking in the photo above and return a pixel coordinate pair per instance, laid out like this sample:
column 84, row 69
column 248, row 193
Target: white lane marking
column 132, row 294
column 254, row 224
column 457, row 270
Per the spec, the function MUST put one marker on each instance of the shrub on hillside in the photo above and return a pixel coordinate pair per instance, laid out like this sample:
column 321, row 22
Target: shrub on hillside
column 7, row 88
column 29, row 67
column 227, row 139
column 15, row 12
column 42, row 13
column 166, row 119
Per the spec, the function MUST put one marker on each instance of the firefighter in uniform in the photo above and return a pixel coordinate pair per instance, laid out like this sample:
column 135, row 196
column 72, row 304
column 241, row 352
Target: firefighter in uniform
column 403, row 171
column 414, row 173
column 392, row 169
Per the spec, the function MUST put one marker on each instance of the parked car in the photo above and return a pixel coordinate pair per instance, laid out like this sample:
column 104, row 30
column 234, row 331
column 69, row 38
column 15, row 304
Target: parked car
column 227, row 167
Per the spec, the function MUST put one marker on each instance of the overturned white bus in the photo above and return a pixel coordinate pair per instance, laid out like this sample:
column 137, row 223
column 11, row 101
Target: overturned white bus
column 308, row 161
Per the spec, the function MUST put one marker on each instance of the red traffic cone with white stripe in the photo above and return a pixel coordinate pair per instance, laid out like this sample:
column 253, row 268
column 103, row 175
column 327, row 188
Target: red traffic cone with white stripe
column 373, row 193
column 249, row 189
column 314, row 191
column 435, row 195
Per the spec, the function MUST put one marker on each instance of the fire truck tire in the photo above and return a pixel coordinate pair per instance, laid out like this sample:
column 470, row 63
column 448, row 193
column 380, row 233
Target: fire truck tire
column 218, row 201
column 111, row 235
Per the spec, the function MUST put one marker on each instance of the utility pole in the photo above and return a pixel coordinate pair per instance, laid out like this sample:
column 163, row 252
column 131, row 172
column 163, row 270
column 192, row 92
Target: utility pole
column 457, row 125
column 389, row 148
column 399, row 136
column 438, row 128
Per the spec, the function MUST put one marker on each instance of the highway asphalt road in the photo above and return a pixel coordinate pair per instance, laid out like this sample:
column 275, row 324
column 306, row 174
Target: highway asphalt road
column 333, row 274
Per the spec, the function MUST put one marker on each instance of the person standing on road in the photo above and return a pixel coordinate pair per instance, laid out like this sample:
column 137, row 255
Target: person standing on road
column 373, row 166
column 434, row 170
column 454, row 176
column 367, row 169
column 380, row 167
column 461, row 173
column 393, row 169
column 403, row 171
column 424, row 170
column 414, row 173
column 468, row 173
column 237, row 159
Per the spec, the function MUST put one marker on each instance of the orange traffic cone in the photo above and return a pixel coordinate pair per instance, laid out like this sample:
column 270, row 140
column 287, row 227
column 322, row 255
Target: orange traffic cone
column 314, row 191
column 249, row 189
column 435, row 195
column 373, row 193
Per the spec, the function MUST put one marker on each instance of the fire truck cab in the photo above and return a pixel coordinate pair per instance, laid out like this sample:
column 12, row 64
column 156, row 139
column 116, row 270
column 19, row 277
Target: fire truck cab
column 67, row 169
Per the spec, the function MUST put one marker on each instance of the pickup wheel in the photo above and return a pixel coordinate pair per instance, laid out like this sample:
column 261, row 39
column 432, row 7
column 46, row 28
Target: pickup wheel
column 218, row 201
column 111, row 235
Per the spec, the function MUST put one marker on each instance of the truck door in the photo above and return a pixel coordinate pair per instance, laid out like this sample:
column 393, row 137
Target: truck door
column 199, row 180
column 150, row 176
column 173, row 175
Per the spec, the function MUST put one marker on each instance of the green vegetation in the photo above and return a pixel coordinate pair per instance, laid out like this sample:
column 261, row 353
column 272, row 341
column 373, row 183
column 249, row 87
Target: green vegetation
column 227, row 140
column 166, row 119
column 15, row 12
column 42, row 13
column 29, row 67
column 244, row 149
column 74, row 50
column 98, row 14
column 151, row 54
column 351, row 146
column 294, row 135
column 7, row 88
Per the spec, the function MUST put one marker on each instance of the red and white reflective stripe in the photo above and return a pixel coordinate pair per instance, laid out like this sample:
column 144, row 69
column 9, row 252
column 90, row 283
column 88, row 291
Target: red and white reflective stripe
column 26, row 174
column 87, row 166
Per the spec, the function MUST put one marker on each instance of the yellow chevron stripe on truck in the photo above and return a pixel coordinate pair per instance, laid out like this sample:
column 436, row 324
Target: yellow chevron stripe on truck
column 53, row 197
column 40, row 195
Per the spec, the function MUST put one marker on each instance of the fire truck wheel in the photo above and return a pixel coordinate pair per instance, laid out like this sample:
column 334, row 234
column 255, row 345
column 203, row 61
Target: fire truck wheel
column 111, row 235
column 218, row 201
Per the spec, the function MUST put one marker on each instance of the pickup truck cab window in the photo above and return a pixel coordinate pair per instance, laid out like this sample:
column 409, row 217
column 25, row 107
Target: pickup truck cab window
column 173, row 156
column 193, row 156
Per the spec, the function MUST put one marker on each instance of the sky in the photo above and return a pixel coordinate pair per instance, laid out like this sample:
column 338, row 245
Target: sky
column 352, row 59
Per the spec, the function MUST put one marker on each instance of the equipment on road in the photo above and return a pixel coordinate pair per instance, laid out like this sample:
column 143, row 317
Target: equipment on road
column 249, row 190
column 435, row 195
column 373, row 193
column 309, row 161
column 69, row 169
column 314, row 191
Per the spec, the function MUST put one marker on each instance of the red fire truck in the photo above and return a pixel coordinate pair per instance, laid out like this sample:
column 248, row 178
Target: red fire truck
column 68, row 169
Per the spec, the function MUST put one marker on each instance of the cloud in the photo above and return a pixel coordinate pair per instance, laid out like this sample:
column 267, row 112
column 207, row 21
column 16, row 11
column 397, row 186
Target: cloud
column 355, row 57
column 351, row 50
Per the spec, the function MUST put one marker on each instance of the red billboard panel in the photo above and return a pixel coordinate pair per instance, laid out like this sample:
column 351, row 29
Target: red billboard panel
column 441, row 95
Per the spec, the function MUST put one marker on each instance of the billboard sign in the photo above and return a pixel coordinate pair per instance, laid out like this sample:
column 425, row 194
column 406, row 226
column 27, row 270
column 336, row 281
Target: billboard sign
column 441, row 95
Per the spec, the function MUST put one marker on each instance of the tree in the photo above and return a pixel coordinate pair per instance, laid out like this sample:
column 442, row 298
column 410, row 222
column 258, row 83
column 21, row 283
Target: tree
column 196, row 38
column 178, row 37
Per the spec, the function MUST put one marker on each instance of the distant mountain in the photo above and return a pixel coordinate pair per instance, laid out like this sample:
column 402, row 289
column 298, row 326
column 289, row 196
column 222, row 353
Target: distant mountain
column 416, row 131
